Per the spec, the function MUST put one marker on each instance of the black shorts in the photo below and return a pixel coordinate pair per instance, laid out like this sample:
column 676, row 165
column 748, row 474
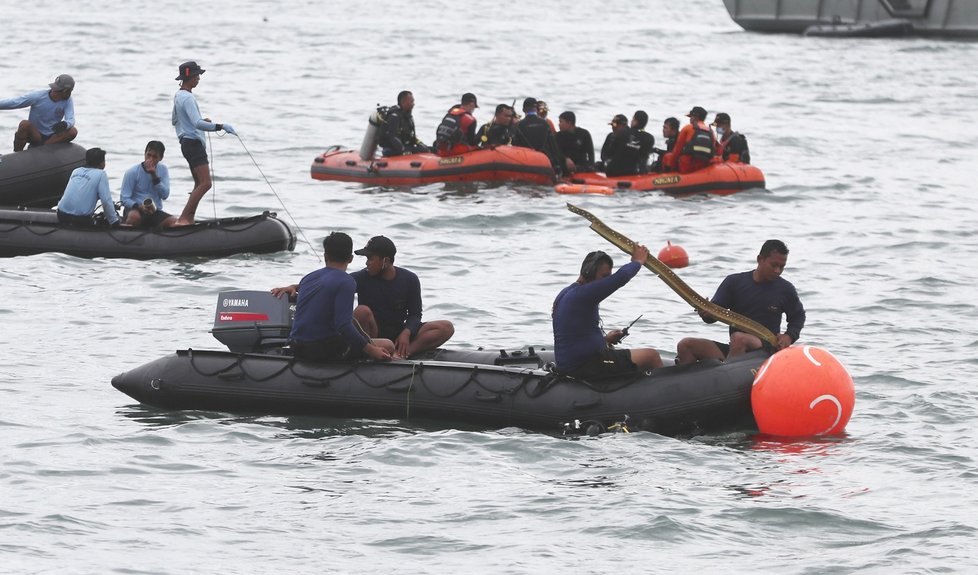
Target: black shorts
column 148, row 220
column 194, row 151
column 395, row 332
column 65, row 218
column 335, row 348
column 610, row 363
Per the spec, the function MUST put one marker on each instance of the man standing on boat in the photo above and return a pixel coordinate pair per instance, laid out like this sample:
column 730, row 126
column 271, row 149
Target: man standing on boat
column 52, row 116
column 389, row 299
column 731, row 146
column 499, row 130
column 575, row 144
column 761, row 295
column 581, row 349
column 456, row 133
column 87, row 185
column 534, row 132
column 323, row 329
column 190, row 128
column 695, row 145
column 144, row 187
column 399, row 137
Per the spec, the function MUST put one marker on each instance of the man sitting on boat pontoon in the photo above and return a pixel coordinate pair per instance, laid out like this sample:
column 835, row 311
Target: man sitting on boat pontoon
column 144, row 187
column 399, row 137
column 52, row 116
column 86, row 186
column 581, row 349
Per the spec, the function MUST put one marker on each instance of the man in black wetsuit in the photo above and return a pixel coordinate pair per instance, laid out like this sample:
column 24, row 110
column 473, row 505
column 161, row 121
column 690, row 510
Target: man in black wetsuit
column 621, row 149
column 398, row 137
column 670, row 129
column 731, row 146
column 645, row 140
column 499, row 130
column 761, row 295
column 534, row 132
column 575, row 144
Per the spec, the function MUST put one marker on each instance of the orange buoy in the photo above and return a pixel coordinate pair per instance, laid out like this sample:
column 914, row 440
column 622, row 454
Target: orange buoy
column 583, row 189
column 674, row 256
column 801, row 392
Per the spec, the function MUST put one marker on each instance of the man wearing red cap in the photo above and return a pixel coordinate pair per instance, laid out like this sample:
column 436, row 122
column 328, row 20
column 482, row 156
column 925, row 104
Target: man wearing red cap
column 52, row 116
column 695, row 145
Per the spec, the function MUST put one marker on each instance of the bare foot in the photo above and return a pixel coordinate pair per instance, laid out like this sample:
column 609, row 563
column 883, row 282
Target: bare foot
column 183, row 223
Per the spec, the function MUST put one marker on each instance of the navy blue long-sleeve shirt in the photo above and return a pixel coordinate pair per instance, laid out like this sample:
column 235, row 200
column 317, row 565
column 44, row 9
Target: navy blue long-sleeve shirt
column 763, row 302
column 395, row 303
column 576, row 318
column 324, row 308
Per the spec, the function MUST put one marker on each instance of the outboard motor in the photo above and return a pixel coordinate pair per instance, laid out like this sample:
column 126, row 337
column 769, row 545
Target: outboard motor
column 372, row 135
column 252, row 321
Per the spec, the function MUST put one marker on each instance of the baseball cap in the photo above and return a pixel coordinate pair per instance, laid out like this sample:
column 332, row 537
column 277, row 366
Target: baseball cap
column 619, row 119
column 380, row 245
column 697, row 112
column 721, row 118
column 63, row 83
column 469, row 98
column 188, row 70
column 338, row 246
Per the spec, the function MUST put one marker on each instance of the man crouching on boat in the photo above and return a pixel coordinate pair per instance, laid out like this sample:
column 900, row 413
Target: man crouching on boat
column 323, row 328
column 581, row 349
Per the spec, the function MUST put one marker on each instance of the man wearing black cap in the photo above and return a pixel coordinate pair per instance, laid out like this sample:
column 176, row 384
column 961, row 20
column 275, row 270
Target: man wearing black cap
column 190, row 128
column 499, row 130
column 86, row 186
column 621, row 149
column 695, row 145
column 534, row 132
column 52, row 116
column 731, row 146
column 456, row 133
column 575, row 144
column 323, row 328
column 389, row 299
column 581, row 349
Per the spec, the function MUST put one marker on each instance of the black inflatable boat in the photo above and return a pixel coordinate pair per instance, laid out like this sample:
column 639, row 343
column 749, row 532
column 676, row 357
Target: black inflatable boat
column 33, row 231
column 485, row 388
column 37, row 176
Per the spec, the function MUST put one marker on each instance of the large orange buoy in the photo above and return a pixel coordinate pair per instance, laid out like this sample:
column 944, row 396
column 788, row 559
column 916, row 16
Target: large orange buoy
column 674, row 256
column 802, row 391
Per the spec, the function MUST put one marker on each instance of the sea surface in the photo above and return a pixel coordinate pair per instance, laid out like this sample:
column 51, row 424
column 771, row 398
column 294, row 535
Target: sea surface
column 869, row 149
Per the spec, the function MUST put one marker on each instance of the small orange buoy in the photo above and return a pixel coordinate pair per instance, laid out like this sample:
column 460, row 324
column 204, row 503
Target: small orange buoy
column 673, row 256
column 802, row 392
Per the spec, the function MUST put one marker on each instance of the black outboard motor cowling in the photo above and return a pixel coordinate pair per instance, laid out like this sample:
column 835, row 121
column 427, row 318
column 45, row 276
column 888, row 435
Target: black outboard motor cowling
column 253, row 321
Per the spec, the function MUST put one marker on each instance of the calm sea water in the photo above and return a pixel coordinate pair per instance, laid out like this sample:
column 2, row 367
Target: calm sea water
column 869, row 151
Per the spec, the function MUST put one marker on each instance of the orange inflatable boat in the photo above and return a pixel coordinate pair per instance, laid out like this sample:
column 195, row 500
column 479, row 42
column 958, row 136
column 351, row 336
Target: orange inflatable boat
column 721, row 178
column 503, row 163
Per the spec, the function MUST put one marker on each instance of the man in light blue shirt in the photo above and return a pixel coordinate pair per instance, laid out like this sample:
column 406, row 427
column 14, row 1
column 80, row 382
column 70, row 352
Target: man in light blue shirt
column 144, row 187
column 87, row 185
column 52, row 116
column 190, row 127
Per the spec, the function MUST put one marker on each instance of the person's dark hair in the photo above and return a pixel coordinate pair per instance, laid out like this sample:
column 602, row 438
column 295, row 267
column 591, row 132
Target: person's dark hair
column 530, row 105
column 771, row 246
column 642, row 118
column 569, row 116
column 157, row 146
column 94, row 157
column 673, row 123
column 338, row 247
column 589, row 267
column 401, row 95
column 501, row 108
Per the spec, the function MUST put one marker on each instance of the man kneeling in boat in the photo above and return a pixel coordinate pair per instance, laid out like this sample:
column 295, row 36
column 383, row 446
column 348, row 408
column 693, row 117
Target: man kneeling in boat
column 389, row 299
column 581, row 349
column 87, row 185
column 144, row 187
column 323, row 328
column 761, row 295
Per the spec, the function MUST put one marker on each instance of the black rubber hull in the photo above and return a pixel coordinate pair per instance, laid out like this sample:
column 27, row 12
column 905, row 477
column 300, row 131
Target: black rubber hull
column 672, row 401
column 37, row 176
column 29, row 232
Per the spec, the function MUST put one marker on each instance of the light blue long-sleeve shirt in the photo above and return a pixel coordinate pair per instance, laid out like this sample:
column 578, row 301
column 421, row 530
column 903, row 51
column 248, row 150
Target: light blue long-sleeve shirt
column 137, row 185
column 187, row 119
column 45, row 112
column 86, row 186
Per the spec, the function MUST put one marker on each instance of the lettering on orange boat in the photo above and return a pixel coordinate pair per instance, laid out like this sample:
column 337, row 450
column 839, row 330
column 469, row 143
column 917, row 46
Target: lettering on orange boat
column 666, row 180
column 450, row 160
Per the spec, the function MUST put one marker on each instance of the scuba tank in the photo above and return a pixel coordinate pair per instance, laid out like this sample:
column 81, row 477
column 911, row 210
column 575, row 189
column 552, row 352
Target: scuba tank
column 370, row 138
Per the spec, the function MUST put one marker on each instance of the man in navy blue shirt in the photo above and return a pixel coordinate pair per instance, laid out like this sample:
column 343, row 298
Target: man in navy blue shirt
column 581, row 349
column 761, row 295
column 389, row 299
column 323, row 328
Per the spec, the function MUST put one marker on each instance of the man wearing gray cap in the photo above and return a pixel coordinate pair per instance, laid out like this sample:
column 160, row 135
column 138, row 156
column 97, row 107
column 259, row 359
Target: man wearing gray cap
column 52, row 116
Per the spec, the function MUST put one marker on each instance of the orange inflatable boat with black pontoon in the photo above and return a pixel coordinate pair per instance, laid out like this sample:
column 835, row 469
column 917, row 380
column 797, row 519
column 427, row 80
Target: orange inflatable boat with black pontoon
column 503, row 163
column 722, row 178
